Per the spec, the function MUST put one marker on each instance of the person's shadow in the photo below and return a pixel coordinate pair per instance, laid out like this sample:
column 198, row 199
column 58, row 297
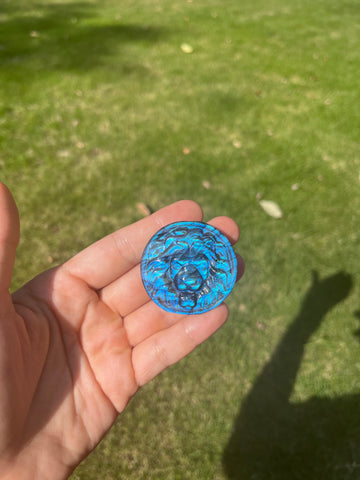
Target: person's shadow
column 276, row 439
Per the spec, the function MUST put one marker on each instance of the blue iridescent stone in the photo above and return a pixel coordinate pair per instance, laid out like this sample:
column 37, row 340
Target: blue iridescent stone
column 188, row 267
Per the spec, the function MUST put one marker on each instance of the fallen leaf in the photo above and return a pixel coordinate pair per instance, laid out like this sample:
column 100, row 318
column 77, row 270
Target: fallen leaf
column 242, row 307
column 186, row 151
column 63, row 153
column 237, row 144
column 206, row 184
column 271, row 208
column 295, row 186
column 186, row 48
column 94, row 152
column 143, row 209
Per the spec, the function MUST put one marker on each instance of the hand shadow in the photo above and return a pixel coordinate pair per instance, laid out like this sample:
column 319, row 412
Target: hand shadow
column 315, row 440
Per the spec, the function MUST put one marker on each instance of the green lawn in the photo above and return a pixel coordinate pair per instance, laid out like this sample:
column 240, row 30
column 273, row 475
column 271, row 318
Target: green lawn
column 100, row 108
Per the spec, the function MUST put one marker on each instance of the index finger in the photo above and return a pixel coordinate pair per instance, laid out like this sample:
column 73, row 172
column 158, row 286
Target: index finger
column 109, row 258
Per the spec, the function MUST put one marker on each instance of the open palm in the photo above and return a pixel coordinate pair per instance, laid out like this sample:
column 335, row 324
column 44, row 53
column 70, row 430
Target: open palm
column 78, row 341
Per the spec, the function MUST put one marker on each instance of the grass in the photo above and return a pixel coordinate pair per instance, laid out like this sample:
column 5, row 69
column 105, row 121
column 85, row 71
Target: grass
column 98, row 104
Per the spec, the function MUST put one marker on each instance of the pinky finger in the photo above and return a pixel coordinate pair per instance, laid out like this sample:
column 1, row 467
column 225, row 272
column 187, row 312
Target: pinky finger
column 169, row 346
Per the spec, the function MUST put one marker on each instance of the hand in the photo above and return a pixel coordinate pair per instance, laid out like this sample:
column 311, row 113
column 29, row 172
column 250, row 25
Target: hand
column 78, row 341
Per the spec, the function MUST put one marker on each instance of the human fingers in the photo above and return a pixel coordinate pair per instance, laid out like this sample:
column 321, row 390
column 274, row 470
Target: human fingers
column 240, row 266
column 168, row 346
column 104, row 261
column 9, row 237
column 149, row 319
column 228, row 227
column 127, row 293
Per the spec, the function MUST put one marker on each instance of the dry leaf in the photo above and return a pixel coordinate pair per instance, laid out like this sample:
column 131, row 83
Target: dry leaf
column 143, row 209
column 206, row 184
column 63, row 153
column 242, row 307
column 186, row 48
column 271, row 208
column 237, row 144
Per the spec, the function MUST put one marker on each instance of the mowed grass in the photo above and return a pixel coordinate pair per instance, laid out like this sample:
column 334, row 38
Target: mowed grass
column 100, row 109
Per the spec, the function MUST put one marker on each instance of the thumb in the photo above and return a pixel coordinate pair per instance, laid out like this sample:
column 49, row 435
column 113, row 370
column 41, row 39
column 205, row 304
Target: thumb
column 9, row 236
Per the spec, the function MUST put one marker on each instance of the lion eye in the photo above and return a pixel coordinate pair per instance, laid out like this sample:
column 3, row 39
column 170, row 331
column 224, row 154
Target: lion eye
column 175, row 266
column 202, row 264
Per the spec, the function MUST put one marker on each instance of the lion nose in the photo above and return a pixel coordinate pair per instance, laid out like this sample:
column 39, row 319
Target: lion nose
column 188, row 279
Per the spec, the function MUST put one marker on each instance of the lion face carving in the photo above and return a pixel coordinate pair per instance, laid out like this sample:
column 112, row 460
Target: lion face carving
column 188, row 267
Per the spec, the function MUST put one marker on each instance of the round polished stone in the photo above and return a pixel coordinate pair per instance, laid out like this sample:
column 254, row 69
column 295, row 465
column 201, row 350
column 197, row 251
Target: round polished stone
column 188, row 267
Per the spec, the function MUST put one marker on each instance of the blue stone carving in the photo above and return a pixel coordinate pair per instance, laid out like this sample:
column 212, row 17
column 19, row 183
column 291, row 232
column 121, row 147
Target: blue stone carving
column 188, row 267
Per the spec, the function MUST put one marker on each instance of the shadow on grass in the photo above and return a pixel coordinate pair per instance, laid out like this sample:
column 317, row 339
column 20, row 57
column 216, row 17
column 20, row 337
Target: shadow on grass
column 318, row 439
column 69, row 36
